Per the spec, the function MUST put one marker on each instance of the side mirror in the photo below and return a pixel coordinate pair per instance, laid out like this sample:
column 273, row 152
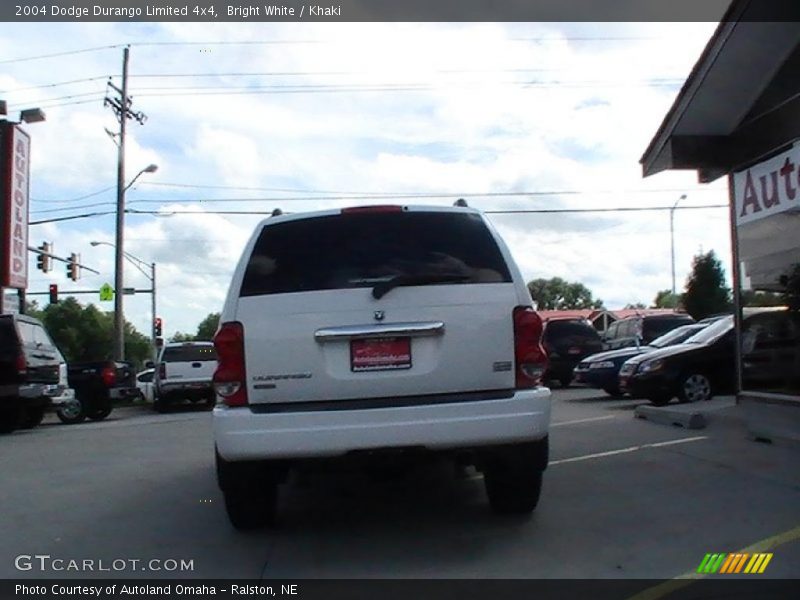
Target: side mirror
column 149, row 365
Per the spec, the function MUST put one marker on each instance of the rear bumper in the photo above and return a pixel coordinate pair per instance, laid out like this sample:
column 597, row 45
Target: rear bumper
column 241, row 434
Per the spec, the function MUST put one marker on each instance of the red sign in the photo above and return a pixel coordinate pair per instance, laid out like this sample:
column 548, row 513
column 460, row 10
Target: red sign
column 15, row 148
column 380, row 354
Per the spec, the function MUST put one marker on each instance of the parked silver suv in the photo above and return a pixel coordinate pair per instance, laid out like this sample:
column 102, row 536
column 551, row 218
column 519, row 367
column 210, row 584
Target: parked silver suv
column 371, row 329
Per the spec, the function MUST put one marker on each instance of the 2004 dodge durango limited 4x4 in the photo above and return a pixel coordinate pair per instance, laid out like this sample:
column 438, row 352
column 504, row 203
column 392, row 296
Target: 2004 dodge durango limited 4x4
column 372, row 329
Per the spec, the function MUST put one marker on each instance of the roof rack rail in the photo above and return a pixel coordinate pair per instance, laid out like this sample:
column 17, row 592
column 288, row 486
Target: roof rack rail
column 276, row 213
column 460, row 202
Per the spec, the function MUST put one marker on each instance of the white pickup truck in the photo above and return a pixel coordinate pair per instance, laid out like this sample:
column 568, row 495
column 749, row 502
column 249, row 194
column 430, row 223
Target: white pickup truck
column 184, row 372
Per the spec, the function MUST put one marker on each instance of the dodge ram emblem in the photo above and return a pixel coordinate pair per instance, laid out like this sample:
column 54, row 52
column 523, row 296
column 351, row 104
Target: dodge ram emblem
column 379, row 315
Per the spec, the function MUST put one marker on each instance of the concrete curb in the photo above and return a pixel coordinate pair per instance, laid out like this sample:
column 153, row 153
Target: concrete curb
column 668, row 416
column 690, row 416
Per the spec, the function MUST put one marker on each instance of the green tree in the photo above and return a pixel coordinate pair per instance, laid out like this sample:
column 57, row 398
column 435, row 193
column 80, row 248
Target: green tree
column 666, row 299
column 558, row 294
column 208, row 327
column 86, row 333
column 756, row 298
column 205, row 330
column 182, row 337
column 706, row 293
column 636, row 305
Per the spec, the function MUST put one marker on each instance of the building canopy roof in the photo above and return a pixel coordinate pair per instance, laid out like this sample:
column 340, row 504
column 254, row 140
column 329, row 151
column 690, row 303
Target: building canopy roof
column 741, row 102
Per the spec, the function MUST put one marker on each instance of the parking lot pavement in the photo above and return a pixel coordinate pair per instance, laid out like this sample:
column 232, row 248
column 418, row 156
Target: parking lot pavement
column 623, row 498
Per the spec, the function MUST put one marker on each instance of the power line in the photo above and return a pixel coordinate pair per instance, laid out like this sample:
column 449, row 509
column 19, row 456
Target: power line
column 58, row 54
column 97, row 193
column 337, row 196
column 56, row 84
column 162, row 213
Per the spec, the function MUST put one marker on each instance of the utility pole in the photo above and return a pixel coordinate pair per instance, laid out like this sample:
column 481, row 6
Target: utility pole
column 122, row 107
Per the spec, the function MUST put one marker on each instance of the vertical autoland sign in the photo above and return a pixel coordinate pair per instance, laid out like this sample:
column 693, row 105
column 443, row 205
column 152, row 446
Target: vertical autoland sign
column 768, row 188
column 15, row 147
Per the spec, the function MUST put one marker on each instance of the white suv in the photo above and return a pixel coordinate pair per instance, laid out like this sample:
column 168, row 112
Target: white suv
column 366, row 329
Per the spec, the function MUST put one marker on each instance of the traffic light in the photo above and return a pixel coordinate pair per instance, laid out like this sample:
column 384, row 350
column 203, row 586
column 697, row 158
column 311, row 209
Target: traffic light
column 157, row 327
column 43, row 260
column 73, row 270
column 53, row 293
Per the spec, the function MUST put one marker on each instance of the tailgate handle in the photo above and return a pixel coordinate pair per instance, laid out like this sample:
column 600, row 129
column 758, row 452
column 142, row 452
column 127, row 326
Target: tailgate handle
column 197, row 365
column 355, row 332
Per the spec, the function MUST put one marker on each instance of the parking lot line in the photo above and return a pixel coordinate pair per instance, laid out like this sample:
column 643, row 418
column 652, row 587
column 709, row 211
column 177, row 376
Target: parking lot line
column 627, row 450
column 589, row 420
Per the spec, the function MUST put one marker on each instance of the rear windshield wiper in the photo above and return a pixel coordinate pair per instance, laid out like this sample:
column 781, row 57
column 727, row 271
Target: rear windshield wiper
column 384, row 287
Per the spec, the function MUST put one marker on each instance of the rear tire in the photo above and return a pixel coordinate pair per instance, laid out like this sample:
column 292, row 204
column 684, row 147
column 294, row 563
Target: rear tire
column 565, row 381
column 513, row 480
column 10, row 418
column 32, row 417
column 98, row 413
column 161, row 405
column 614, row 392
column 72, row 412
column 251, row 493
column 250, row 509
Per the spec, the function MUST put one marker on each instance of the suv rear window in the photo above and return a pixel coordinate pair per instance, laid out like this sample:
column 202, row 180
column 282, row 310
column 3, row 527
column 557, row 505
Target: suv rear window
column 573, row 329
column 8, row 337
column 189, row 354
column 364, row 249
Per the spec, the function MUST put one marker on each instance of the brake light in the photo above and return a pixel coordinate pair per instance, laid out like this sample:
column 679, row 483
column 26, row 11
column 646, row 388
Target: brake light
column 162, row 370
column 109, row 376
column 378, row 208
column 21, row 365
column 530, row 357
column 230, row 381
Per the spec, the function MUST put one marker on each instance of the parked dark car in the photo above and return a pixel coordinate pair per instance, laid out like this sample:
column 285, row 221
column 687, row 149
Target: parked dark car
column 567, row 342
column 97, row 385
column 602, row 370
column 30, row 372
column 641, row 329
column 771, row 352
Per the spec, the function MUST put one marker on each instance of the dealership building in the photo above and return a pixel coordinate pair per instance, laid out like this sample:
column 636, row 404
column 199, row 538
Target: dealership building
column 738, row 116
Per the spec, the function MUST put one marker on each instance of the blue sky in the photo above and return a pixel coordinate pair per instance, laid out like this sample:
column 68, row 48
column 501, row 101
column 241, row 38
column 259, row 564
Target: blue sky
column 255, row 116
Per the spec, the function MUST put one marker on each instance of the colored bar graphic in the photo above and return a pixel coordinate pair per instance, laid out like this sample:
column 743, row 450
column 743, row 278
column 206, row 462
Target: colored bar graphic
column 734, row 563
column 767, row 558
column 728, row 564
column 702, row 567
column 715, row 567
column 741, row 562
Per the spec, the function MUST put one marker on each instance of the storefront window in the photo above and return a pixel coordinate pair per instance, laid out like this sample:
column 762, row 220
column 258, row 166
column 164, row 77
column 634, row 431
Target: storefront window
column 768, row 233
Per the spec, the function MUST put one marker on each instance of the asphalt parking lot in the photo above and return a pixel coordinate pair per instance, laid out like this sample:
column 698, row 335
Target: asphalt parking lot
column 623, row 498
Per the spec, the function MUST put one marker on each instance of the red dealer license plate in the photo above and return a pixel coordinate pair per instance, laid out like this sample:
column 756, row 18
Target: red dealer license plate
column 380, row 354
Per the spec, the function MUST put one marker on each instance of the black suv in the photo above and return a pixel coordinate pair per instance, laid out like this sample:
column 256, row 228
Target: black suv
column 641, row 329
column 30, row 365
column 567, row 342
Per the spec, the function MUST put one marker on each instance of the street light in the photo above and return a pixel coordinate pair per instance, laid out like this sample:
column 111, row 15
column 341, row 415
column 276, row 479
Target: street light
column 119, row 321
column 141, row 265
column 672, row 237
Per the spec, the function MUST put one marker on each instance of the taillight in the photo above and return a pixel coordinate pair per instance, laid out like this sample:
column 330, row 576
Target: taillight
column 109, row 376
column 162, row 370
column 22, row 364
column 530, row 357
column 230, row 381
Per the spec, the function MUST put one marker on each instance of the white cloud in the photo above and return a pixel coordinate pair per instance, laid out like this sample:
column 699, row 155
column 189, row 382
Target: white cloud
column 371, row 107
